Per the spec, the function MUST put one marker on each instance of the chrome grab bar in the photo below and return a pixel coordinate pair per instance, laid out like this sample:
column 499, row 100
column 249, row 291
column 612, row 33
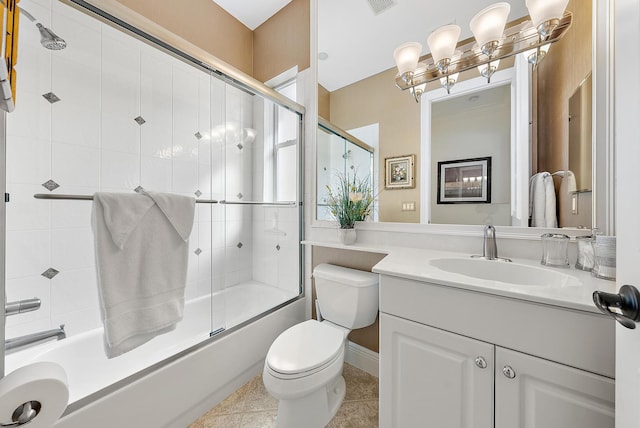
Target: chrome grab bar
column 198, row 201
column 90, row 198
column 21, row 306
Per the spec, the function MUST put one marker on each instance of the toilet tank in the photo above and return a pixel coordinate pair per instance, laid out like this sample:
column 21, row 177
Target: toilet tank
column 347, row 297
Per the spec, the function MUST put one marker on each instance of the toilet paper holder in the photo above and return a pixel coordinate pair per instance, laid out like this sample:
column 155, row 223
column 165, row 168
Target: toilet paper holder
column 43, row 390
column 23, row 414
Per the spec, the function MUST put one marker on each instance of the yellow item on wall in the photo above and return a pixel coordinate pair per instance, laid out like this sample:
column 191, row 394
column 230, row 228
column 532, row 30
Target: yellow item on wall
column 9, row 26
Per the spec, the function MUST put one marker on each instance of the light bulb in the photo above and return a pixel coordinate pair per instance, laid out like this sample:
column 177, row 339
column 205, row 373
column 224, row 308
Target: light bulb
column 488, row 25
column 406, row 56
column 545, row 14
column 442, row 44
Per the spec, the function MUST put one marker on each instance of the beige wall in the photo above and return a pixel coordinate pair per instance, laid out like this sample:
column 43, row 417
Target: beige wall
column 378, row 100
column 558, row 76
column 283, row 41
column 277, row 45
column 203, row 23
column 368, row 336
column 324, row 103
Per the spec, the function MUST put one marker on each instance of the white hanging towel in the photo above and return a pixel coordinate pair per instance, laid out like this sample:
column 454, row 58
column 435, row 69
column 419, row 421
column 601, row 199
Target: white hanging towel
column 568, row 183
column 542, row 201
column 141, row 243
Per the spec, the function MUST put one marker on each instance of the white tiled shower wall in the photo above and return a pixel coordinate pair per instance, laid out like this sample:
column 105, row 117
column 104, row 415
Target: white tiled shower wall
column 89, row 141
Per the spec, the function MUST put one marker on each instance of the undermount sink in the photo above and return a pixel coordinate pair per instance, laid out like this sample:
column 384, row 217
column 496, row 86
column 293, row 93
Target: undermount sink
column 509, row 273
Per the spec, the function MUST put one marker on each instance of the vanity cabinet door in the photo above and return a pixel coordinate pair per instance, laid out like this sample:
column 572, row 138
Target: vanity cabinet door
column 536, row 393
column 433, row 378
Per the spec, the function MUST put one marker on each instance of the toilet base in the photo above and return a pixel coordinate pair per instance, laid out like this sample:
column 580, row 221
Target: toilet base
column 314, row 410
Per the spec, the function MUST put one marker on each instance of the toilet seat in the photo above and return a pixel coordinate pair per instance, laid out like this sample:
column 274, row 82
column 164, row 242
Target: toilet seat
column 305, row 349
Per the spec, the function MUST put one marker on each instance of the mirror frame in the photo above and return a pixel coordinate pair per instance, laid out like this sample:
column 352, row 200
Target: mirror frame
column 603, row 25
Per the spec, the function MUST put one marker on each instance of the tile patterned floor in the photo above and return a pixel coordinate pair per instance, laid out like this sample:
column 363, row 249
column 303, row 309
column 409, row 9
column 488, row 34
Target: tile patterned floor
column 252, row 407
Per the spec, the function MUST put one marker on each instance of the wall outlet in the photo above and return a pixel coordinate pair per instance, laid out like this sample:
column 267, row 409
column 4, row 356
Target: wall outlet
column 409, row 206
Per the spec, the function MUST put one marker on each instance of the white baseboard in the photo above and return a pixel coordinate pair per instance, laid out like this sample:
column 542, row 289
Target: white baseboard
column 362, row 358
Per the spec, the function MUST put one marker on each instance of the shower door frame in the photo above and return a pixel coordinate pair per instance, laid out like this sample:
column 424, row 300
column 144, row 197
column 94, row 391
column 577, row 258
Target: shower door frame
column 217, row 69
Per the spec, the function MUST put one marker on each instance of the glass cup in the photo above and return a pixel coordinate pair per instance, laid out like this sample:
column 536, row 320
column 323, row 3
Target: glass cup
column 555, row 250
column 586, row 253
column 605, row 257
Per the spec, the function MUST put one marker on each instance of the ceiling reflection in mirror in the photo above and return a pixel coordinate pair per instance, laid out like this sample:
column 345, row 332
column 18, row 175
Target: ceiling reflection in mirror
column 358, row 88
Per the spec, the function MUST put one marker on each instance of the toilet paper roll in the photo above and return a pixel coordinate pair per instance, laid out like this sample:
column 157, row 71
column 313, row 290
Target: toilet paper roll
column 44, row 384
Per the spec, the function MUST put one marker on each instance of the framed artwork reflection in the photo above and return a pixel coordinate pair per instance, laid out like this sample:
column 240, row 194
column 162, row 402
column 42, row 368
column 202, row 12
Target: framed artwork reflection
column 464, row 181
column 399, row 172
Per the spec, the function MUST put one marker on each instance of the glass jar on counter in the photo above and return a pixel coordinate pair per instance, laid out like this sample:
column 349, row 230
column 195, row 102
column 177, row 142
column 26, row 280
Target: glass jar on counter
column 555, row 250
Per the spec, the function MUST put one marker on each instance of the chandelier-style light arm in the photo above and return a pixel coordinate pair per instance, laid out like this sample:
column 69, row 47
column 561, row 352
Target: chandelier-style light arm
column 517, row 39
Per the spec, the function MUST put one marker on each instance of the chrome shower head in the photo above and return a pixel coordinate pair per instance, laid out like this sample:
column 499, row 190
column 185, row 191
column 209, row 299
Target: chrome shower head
column 49, row 39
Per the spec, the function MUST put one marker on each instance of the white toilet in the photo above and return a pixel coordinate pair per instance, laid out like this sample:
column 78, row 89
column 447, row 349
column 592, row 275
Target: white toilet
column 303, row 368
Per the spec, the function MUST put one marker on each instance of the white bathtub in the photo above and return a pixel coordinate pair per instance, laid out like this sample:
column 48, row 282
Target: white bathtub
column 88, row 369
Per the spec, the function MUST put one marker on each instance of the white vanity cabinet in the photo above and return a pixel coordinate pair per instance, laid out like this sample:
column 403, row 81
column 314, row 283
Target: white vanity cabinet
column 536, row 393
column 430, row 377
column 453, row 358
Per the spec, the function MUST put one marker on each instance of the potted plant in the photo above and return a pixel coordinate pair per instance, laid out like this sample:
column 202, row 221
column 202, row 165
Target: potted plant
column 350, row 201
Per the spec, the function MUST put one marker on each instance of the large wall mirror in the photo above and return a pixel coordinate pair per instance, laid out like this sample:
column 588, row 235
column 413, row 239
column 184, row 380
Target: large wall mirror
column 531, row 121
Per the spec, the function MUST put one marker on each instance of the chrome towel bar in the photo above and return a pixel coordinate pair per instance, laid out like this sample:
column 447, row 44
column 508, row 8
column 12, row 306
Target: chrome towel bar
column 198, row 201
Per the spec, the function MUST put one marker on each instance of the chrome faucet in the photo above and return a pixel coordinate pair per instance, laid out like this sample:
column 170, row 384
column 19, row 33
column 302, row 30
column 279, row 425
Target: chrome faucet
column 489, row 247
column 33, row 338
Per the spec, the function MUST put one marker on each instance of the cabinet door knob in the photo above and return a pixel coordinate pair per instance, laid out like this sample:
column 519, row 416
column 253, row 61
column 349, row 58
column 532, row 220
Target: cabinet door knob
column 509, row 372
column 481, row 362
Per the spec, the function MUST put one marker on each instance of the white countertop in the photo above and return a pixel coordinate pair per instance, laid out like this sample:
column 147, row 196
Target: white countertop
column 415, row 263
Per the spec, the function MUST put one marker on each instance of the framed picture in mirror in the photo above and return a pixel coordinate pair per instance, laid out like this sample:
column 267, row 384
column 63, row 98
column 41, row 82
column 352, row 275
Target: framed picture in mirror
column 399, row 172
column 464, row 181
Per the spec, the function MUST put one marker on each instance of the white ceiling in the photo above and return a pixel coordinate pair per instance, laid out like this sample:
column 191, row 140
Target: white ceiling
column 360, row 43
column 252, row 13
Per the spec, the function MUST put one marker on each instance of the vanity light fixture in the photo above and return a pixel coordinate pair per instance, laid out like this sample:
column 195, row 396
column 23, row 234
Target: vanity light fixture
column 534, row 56
column 448, row 81
column 487, row 70
column 487, row 26
column 549, row 22
column 418, row 90
column 442, row 44
column 407, row 56
column 545, row 15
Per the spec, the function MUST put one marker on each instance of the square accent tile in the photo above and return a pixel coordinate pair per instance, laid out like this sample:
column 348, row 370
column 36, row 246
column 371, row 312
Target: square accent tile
column 239, row 245
column 240, row 146
column 139, row 189
column 140, row 120
column 198, row 135
column 198, row 193
column 278, row 247
column 50, row 273
column 239, row 195
column 50, row 185
column 198, row 251
column 51, row 97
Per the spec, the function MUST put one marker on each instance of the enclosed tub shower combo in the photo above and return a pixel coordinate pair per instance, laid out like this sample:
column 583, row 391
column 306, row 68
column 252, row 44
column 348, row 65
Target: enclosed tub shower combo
column 117, row 110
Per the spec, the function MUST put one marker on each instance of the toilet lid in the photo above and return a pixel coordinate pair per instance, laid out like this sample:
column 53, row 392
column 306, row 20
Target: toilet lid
column 304, row 347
